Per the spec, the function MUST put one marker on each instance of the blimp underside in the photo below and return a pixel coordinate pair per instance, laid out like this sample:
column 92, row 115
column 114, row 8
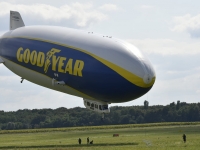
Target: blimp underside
column 99, row 69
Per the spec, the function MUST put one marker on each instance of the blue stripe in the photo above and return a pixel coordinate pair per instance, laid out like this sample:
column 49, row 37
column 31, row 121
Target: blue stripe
column 98, row 80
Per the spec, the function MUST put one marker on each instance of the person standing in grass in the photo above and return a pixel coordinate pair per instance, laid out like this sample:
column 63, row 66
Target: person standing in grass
column 184, row 138
column 79, row 140
column 88, row 140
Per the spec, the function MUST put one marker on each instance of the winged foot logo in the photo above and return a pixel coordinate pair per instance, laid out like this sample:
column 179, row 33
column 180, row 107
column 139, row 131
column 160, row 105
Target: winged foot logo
column 58, row 63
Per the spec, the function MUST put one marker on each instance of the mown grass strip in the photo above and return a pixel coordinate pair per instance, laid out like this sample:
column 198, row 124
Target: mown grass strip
column 99, row 127
column 69, row 146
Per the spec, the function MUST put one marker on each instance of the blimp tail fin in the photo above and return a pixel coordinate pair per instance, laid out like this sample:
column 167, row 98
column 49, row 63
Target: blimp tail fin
column 15, row 20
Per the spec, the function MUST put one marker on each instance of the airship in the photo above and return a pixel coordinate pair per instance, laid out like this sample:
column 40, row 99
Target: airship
column 98, row 68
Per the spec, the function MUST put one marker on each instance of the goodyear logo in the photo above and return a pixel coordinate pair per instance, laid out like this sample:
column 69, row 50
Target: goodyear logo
column 58, row 63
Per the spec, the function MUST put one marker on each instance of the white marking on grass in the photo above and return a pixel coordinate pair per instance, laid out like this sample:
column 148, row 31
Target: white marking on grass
column 148, row 143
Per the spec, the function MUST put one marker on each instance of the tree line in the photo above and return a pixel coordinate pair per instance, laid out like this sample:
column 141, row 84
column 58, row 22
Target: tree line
column 63, row 117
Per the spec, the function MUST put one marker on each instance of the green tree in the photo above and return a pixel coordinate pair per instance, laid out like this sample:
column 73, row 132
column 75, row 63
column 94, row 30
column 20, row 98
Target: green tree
column 178, row 105
column 146, row 104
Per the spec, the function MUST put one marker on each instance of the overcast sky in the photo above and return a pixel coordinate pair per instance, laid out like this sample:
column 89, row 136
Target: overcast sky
column 167, row 31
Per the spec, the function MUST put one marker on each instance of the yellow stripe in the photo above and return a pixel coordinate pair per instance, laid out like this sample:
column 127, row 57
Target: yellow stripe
column 134, row 79
column 126, row 74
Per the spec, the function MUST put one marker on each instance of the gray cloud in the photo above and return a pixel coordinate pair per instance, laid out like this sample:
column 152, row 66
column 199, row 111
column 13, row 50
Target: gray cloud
column 109, row 7
column 80, row 15
column 187, row 23
column 167, row 46
column 147, row 7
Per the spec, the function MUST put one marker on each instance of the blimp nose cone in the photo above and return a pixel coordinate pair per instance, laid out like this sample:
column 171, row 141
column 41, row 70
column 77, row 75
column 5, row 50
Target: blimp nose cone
column 147, row 78
column 149, row 73
column 143, row 74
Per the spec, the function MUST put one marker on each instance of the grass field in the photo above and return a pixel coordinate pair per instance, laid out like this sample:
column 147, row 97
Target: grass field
column 142, row 137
